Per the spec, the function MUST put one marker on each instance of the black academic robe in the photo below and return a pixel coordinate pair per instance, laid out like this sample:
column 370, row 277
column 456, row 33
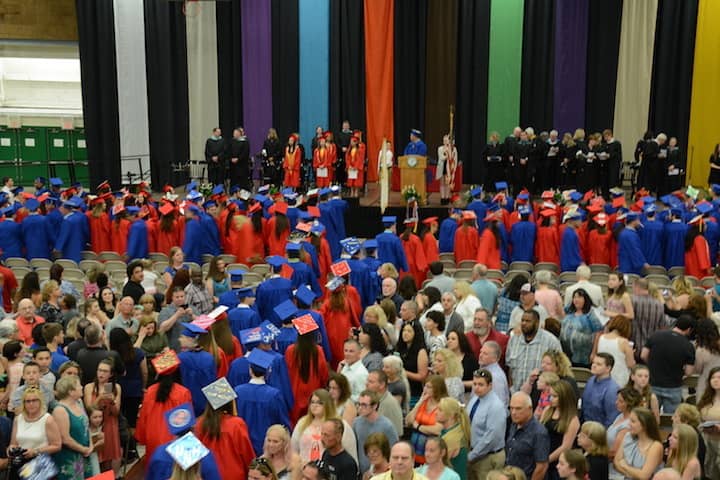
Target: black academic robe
column 493, row 165
column 239, row 162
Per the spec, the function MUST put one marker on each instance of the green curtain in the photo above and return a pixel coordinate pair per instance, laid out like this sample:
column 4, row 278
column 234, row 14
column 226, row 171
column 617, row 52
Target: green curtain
column 506, row 26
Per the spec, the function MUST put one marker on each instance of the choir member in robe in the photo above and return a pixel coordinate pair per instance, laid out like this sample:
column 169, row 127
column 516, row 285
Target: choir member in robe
column 292, row 161
column 467, row 239
column 697, row 252
column 547, row 246
column 322, row 163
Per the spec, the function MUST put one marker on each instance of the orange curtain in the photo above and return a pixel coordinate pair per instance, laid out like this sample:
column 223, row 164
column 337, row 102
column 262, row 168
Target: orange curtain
column 379, row 78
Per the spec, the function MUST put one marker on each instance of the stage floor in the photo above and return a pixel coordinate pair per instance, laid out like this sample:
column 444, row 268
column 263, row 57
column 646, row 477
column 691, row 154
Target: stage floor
column 372, row 198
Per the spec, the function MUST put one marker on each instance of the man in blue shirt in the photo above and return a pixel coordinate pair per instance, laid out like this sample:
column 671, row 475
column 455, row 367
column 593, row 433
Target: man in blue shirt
column 416, row 145
column 487, row 424
column 527, row 442
column 598, row 400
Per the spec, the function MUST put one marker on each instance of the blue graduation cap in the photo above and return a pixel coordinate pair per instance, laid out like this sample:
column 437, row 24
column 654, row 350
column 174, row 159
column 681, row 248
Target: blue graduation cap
column 285, row 310
column 476, row 192
column 523, row 196
column 305, row 295
column 42, row 180
column 17, row 190
column 263, row 189
column 191, row 330
column 416, row 132
column 234, row 189
column 209, row 203
column 333, row 284
column 32, row 204
column 244, row 292
column 524, row 210
column 56, row 182
column 324, row 192
column 501, row 186
column 132, row 210
column 191, row 186
column 260, row 198
column 288, row 192
column 240, row 205
column 351, row 245
column 704, row 207
column 194, row 196
column 370, row 244
column 74, row 202
column 218, row 190
column 54, row 200
column 250, row 336
column 317, row 228
column 276, row 261
column 268, row 331
column 8, row 211
column 236, row 274
column 632, row 215
column 666, row 199
column 576, row 196
column 180, row 419
column 187, row 450
column 389, row 220
column 650, row 208
column 292, row 247
column 260, row 360
column 715, row 188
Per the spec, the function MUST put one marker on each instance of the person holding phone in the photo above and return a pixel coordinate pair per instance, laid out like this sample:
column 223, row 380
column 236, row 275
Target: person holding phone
column 104, row 394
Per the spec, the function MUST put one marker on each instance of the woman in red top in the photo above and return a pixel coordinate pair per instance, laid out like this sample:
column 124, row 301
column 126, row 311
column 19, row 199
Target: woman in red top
column 292, row 163
column 697, row 252
column 322, row 164
column 308, row 371
column 489, row 249
column 547, row 245
column 430, row 243
column 99, row 221
column 467, row 239
column 414, row 252
column 354, row 164
column 598, row 241
column 339, row 317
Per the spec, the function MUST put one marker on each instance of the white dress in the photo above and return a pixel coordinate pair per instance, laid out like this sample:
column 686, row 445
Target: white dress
column 31, row 435
column 466, row 309
column 620, row 372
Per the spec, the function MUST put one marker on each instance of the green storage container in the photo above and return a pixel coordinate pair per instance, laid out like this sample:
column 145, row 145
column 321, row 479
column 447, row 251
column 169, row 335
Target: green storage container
column 32, row 145
column 8, row 152
column 60, row 152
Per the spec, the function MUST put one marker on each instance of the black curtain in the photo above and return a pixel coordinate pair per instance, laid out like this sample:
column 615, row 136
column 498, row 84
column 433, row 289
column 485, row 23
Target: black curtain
column 167, row 84
column 409, row 92
column 98, row 71
column 441, row 79
column 603, row 47
column 472, row 85
column 673, row 69
column 538, row 65
column 347, row 64
column 285, row 66
column 229, row 52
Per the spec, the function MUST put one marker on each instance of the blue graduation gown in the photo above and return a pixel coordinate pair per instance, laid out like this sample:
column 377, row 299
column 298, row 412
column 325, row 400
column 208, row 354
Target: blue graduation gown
column 10, row 239
column 303, row 275
column 522, row 238
column 292, row 216
column 74, row 235
column 322, row 339
column 287, row 337
column 712, row 235
column 360, row 279
column 36, row 236
column 211, row 240
column 446, row 236
column 161, row 464
column 197, row 370
column 674, row 241
column 651, row 237
column 55, row 218
column 570, row 257
column 630, row 256
column 332, row 235
column 193, row 244
column 390, row 250
column 277, row 377
column 261, row 406
column 339, row 207
column 480, row 209
column 242, row 318
column 415, row 148
column 271, row 293
column 137, row 244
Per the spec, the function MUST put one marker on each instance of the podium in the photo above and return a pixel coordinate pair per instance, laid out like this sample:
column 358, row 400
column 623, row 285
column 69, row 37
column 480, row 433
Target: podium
column 412, row 172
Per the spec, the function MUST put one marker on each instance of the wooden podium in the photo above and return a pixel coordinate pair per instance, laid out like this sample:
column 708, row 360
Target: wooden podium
column 412, row 172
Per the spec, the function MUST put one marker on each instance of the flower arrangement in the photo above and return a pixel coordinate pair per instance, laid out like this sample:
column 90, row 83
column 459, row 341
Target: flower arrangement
column 206, row 189
column 409, row 194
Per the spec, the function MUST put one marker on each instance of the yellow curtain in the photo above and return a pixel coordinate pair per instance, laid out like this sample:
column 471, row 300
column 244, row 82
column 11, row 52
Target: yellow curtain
column 705, row 103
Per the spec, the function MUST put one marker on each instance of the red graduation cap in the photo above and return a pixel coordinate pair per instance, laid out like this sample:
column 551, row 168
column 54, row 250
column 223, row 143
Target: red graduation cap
column 547, row 212
column 314, row 211
column 303, row 227
column 279, row 207
column 340, row 268
column 588, row 195
column 166, row 208
column 305, row 324
column 429, row 220
column 254, row 208
column 168, row 188
column 618, row 202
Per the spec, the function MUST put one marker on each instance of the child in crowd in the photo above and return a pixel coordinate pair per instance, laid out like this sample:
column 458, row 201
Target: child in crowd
column 544, row 383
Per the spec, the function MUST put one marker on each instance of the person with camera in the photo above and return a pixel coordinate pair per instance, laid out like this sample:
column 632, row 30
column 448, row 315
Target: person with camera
column 34, row 432
column 173, row 314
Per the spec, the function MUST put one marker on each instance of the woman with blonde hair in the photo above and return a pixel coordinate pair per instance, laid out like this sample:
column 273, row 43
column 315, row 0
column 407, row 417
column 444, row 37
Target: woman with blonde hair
column 446, row 364
column 305, row 439
column 277, row 451
column 593, row 440
column 375, row 314
column 561, row 421
column 683, row 291
column 94, row 313
column 387, row 269
column 507, row 473
column 34, row 430
column 177, row 263
column 50, row 308
column 436, row 465
column 466, row 304
column 682, row 456
column 147, row 302
column 455, row 432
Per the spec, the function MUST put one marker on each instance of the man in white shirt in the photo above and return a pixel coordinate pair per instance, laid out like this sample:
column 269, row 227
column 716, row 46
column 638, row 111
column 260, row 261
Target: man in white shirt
column 582, row 274
column 353, row 369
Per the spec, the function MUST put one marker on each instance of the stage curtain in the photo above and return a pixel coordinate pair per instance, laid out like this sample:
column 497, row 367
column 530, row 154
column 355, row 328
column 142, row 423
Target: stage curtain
column 347, row 65
column 673, row 69
column 314, row 67
column 230, row 65
column 167, row 85
column 602, row 53
column 410, row 35
column 257, row 70
column 571, row 27
column 96, row 42
column 441, row 82
column 472, row 85
column 705, row 104
column 202, row 76
column 637, row 40
column 132, row 84
column 506, row 25
column 538, row 57
column 285, row 66
column 379, row 78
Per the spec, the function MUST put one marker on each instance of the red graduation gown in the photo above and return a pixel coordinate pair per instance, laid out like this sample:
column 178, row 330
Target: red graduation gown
column 697, row 259
column 99, row 232
column 430, row 246
column 355, row 158
column 488, row 251
column 338, row 324
column 321, row 159
column 276, row 245
column 233, row 450
column 467, row 242
column 291, row 166
column 547, row 246
column 598, row 247
column 415, row 254
column 303, row 390
column 119, row 236
column 150, row 430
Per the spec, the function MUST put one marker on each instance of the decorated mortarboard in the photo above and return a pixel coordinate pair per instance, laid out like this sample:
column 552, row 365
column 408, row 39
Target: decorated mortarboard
column 650, row 208
column 218, row 190
column 187, row 450
column 203, row 321
column 576, row 196
column 244, row 292
column 260, row 359
column 501, row 186
column 692, row 192
column 250, row 335
column 219, row 393
column 263, row 189
column 547, row 195
column 704, row 207
column 572, row 214
column 313, row 192
column 180, row 419
column 416, row 132
column 370, row 243
column 351, row 245
column 476, row 192
column 303, row 226
column 468, row 215
column 280, row 207
column 333, row 284
column 317, row 228
column 32, row 204
column 191, row 186
column 244, row 194
column 601, row 219
column 340, row 268
column 617, row 192
column 132, row 210
column 276, row 261
column 292, row 247
column 166, row 208
column 389, row 220
column 305, row 324
column 118, row 209
column 56, row 182
column 524, row 210
column 165, row 363
column 192, row 330
column 268, row 331
column 305, row 295
column 236, row 274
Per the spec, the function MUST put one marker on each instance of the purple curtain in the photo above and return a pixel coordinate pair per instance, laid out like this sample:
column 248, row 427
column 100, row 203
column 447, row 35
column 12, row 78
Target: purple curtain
column 257, row 70
column 571, row 35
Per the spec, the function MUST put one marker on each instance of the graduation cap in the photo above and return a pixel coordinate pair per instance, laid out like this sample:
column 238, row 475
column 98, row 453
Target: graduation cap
column 370, row 244
column 430, row 220
column 335, row 188
column 547, row 195
column 288, row 192
column 524, row 196
column 305, row 324
column 410, row 222
column 476, row 192
column 501, row 186
column 250, row 335
column 268, row 331
column 244, row 292
column 469, row 215
column 260, row 360
column 601, row 219
column 292, row 247
column 305, row 295
column 187, row 450
column 351, row 245
column 632, row 216
column 209, row 203
column 218, row 190
column 313, row 192
column 191, row 330
column 697, row 220
column 236, row 274
column 340, row 269
column 194, row 195
column 17, row 190
column 191, row 186
column 547, row 212
column 219, row 393
column 263, row 189
column 255, row 207
column 180, row 419
column 42, row 180
column 56, row 182
column 576, row 196
column 389, row 220
column 317, row 228
column 166, row 208
column 573, row 214
column 166, row 363
column 333, row 284
column 618, row 202
column 74, row 202
column 650, row 208
column 285, row 310
column 324, row 192
column 276, row 261
column 32, row 204
column 704, row 207
column 204, row 322
column 280, row 207
column 416, row 132
column 524, row 210
column 715, row 188
column 132, row 210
